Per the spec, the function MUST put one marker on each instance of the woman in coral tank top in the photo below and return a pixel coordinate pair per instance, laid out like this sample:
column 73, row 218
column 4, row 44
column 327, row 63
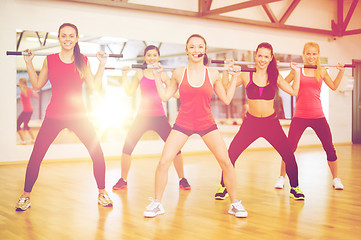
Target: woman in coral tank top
column 195, row 84
column 309, row 111
column 66, row 72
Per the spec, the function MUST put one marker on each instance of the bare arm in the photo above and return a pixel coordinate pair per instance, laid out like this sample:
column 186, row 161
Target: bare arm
column 23, row 90
column 95, row 82
column 225, row 93
column 131, row 87
column 328, row 80
column 167, row 90
column 285, row 85
column 36, row 81
column 290, row 76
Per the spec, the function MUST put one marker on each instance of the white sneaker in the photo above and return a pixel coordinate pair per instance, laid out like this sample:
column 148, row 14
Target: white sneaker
column 153, row 209
column 337, row 184
column 280, row 182
column 237, row 210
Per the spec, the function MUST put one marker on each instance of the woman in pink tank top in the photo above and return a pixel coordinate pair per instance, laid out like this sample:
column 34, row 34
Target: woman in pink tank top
column 195, row 83
column 25, row 96
column 66, row 71
column 309, row 111
column 150, row 116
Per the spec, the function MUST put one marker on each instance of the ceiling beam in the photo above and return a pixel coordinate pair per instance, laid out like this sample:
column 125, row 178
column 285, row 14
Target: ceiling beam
column 272, row 17
column 269, row 25
column 238, row 6
column 349, row 14
column 288, row 12
column 183, row 13
column 352, row 32
column 204, row 6
column 19, row 40
column 339, row 17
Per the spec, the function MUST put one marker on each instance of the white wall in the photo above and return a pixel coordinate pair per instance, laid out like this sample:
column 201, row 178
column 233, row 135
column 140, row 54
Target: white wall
column 97, row 20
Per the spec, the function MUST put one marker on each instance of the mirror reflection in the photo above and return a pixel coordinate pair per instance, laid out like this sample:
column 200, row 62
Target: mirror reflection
column 112, row 110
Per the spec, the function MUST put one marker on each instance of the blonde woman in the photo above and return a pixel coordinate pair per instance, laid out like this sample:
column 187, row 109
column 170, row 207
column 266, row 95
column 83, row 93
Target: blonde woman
column 309, row 113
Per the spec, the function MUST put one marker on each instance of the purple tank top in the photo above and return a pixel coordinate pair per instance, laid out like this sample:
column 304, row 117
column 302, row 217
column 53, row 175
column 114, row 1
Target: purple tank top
column 151, row 104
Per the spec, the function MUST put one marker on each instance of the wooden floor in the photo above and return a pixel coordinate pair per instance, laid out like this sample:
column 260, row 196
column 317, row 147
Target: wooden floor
column 64, row 201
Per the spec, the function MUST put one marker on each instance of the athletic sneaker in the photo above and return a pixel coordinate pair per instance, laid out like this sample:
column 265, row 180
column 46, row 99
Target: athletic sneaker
column 296, row 193
column 104, row 200
column 280, row 182
column 221, row 193
column 153, row 209
column 121, row 184
column 23, row 203
column 337, row 184
column 183, row 184
column 237, row 210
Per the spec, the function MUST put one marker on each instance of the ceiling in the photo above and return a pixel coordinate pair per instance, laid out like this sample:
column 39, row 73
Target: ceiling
column 337, row 15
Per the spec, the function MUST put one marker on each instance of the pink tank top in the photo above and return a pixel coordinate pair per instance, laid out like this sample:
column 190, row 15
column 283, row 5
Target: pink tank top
column 25, row 101
column 151, row 104
column 66, row 86
column 195, row 108
column 308, row 103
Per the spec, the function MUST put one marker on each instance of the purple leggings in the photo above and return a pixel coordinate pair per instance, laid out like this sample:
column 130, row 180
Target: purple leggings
column 50, row 128
column 270, row 129
column 24, row 117
column 322, row 130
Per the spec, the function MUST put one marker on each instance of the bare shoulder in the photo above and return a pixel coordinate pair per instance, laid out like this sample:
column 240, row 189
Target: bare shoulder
column 214, row 74
column 178, row 73
column 244, row 77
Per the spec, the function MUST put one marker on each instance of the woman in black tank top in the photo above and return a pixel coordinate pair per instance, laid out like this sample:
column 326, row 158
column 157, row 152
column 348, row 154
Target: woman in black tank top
column 261, row 119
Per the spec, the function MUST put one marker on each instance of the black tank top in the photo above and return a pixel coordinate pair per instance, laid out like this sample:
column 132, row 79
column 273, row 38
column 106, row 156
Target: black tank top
column 255, row 92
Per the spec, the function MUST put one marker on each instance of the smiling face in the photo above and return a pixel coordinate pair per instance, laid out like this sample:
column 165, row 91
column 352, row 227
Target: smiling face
column 151, row 57
column 194, row 47
column 67, row 38
column 311, row 55
column 263, row 57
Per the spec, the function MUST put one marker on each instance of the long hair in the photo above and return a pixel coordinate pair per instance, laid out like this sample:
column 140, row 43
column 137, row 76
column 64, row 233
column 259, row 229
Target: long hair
column 78, row 57
column 272, row 70
column 205, row 59
column 318, row 63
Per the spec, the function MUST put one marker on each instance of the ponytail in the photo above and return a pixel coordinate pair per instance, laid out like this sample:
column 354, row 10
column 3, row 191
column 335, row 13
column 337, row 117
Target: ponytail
column 272, row 72
column 205, row 59
column 318, row 70
column 79, row 61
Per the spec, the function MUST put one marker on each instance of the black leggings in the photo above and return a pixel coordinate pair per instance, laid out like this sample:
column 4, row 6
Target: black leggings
column 270, row 129
column 322, row 130
column 143, row 124
column 49, row 129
